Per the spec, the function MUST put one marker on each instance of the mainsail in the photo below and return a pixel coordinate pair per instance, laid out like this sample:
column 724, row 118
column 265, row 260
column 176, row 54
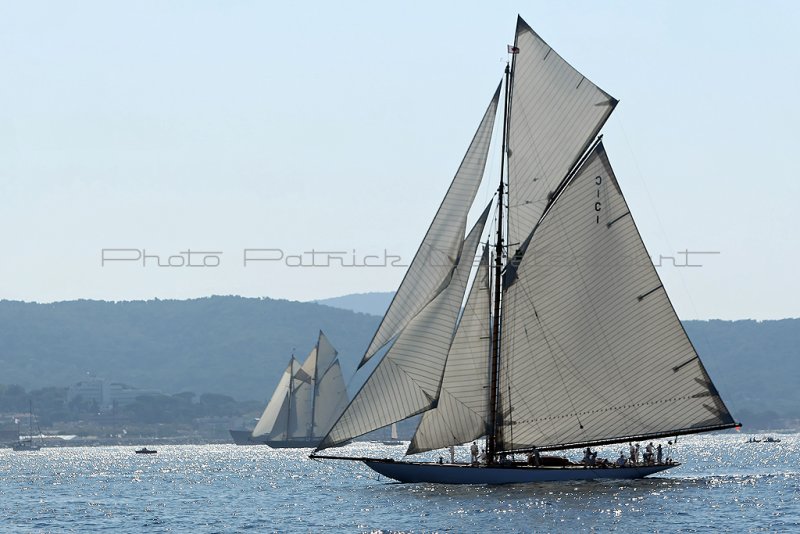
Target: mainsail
column 273, row 420
column 307, row 398
column 431, row 267
column 592, row 349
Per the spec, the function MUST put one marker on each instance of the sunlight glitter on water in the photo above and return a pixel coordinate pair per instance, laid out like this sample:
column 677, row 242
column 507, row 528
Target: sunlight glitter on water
column 722, row 481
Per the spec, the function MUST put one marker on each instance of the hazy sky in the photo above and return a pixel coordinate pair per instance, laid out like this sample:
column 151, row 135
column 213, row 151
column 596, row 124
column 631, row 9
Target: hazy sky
column 161, row 127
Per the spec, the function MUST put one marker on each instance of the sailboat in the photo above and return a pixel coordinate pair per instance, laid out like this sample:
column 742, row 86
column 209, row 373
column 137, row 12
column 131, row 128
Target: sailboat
column 303, row 406
column 27, row 443
column 394, row 439
column 567, row 339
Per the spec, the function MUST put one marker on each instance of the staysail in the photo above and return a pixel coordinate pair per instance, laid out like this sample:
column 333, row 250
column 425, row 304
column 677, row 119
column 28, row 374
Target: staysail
column 406, row 381
column 593, row 351
column 331, row 399
column 430, row 269
column 273, row 420
column 555, row 115
column 461, row 413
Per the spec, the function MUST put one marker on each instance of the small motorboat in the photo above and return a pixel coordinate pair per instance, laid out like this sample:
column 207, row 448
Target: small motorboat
column 145, row 450
column 767, row 439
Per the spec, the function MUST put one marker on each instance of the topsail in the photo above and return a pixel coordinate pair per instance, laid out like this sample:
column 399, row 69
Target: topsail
column 555, row 115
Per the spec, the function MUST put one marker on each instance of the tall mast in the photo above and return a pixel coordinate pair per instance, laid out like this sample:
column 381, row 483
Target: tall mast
column 314, row 392
column 289, row 399
column 491, row 441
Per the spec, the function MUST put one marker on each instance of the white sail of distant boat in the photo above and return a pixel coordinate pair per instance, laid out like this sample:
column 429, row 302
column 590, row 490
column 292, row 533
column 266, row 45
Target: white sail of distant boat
column 305, row 402
column 394, row 438
column 567, row 338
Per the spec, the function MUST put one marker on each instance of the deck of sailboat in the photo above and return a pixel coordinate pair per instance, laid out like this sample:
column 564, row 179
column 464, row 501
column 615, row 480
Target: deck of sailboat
column 410, row 472
column 292, row 443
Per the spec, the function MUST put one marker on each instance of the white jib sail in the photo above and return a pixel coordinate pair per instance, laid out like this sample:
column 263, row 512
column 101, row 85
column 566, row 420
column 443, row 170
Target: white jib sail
column 326, row 354
column 461, row 412
column 407, row 379
column 302, row 398
column 437, row 254
column 277, row 404
column 331, row 399
column 555, row 115
column 592, row 349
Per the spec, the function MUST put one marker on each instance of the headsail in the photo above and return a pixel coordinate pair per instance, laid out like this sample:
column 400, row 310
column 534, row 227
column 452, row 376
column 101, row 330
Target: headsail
column 331, row 399
column 555, row 115
column 592, row 349
column 461, row 414
column 273, row 420
column 326, row 354
column 406, row 381
column 302, row 398
column 429, row 270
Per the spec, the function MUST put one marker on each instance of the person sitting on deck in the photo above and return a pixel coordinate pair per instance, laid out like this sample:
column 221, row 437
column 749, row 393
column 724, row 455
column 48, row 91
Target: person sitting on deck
column 482, row 457
column 621, row 461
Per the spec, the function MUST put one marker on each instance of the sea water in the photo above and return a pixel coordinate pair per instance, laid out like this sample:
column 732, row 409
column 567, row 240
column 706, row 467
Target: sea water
column 723, row 484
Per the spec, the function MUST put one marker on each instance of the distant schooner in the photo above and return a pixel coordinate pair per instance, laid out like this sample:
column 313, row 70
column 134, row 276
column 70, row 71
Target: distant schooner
column 567, row 338
column 304, row 405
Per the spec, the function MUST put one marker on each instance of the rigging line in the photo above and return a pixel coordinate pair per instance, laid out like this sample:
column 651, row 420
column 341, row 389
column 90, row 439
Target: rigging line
column 523, row 402
column 555, row 362
column 530, row 407
column 508, row 401
column 661, row 227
